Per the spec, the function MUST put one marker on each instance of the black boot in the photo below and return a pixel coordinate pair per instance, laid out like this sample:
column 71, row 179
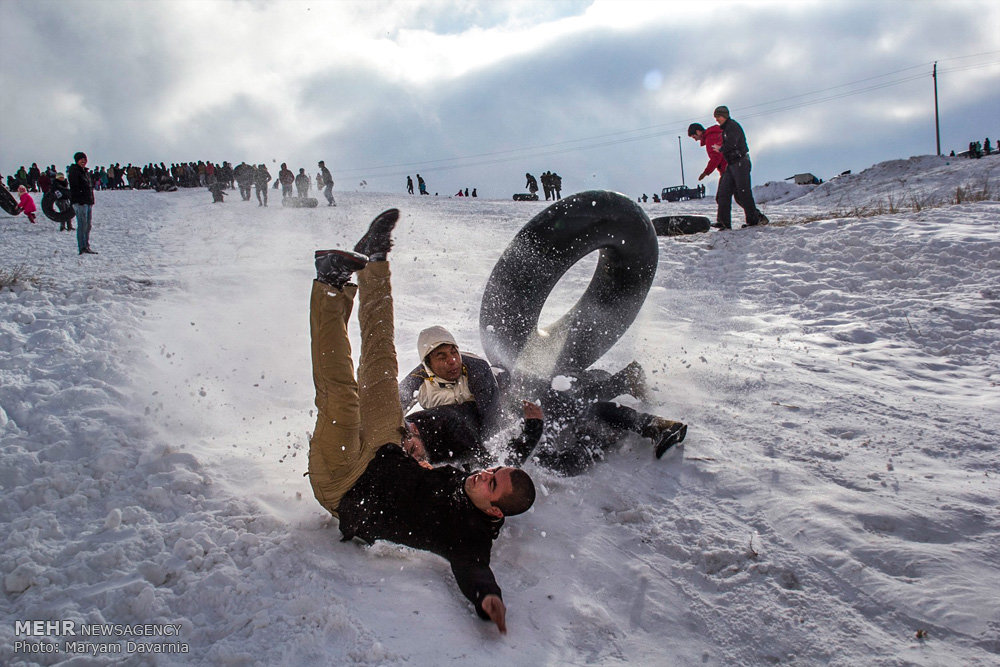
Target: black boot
column 334, row 267
column 759, row 219
column 377, row 241
column 664, row 433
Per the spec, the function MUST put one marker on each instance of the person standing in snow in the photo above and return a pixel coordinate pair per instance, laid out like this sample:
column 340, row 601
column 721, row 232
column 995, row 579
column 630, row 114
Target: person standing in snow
column 81, row 196
column 735, row 180
column 360, row 467
column 34, row 173
column 302, row 183
column 711, row 139
column 327, row 179
column 287, row 180
column 421, row 185
column 243, row 173
column 409, row 185
column 261, row 177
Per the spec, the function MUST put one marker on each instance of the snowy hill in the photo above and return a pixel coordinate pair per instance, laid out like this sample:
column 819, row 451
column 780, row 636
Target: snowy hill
column 918, row 181
column 835, row 502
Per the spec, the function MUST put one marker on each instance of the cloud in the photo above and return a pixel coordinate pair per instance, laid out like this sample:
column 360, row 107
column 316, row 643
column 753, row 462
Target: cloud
column 470, row 92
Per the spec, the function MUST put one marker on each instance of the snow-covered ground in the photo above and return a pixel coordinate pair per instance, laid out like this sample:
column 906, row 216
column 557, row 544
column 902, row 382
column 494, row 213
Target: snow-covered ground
column 835, row 502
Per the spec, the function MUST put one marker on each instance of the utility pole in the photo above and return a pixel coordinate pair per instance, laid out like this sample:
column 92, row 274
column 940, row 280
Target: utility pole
column 681, row 149
column 937, row 121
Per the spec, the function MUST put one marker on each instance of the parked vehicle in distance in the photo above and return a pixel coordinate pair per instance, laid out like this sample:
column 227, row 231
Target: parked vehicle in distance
column 681, row 192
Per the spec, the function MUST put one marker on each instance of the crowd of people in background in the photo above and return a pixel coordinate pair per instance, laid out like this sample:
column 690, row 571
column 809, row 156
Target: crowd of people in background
column 200, row 174
column 160, row 177
column 978, row 150
column 248, row 179
column 131, row 177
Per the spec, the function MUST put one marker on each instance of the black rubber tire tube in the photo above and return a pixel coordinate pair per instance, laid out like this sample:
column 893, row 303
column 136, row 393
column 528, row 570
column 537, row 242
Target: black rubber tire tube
column 49, row 200
column 540, row 254
column 7, row 201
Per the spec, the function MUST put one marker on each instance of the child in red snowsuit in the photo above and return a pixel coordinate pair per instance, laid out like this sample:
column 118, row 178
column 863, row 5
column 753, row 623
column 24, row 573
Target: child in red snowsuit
column 27, row 204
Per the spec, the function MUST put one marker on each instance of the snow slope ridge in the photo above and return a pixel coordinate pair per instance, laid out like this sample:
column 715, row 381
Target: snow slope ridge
column 920, row 181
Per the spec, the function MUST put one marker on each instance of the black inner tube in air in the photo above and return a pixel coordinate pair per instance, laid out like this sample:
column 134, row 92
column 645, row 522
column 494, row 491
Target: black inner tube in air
column 539, row 255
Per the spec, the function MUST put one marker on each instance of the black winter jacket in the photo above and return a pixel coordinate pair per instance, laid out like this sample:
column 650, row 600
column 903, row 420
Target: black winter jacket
column 734, row 142
column 261, row 177
column 452, row 433
column 80, row 189
column 396, row 499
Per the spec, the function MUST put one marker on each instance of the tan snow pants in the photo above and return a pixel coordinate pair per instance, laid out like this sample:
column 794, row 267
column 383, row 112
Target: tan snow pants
column 355, row 417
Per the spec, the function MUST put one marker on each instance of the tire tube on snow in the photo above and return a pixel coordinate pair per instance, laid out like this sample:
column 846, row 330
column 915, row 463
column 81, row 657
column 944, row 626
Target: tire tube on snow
column 539, row 255
column 50, row 210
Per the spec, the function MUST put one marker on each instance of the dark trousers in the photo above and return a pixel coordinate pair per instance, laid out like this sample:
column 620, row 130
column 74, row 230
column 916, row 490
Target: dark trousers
column 83, row 217
column 580, row 439
column 735, row 182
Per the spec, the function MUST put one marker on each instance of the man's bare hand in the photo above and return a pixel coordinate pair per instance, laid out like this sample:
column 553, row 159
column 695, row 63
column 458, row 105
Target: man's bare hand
column 531, row 411
column 701, row 177
column 497, row 611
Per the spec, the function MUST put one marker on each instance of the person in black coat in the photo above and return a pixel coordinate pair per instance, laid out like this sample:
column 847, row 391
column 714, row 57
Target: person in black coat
column 81, row 196
column 361, row 466
column 327, row 181
column 243, row 173
column 261, row 177
column 582, row 423
column 735, row 180
column 530, row 183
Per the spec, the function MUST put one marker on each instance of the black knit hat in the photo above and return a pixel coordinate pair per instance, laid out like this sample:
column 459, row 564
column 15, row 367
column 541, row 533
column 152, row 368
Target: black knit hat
column 79, row 155
column 721, row 111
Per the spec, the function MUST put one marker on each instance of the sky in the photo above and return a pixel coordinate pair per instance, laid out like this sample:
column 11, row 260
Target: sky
column 475, row 94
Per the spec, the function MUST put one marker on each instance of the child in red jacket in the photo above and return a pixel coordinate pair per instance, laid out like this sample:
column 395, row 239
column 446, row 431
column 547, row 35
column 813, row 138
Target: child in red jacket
column 27, row 204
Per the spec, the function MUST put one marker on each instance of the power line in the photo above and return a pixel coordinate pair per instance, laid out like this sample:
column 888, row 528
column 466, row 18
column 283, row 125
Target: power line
column 670, row 128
